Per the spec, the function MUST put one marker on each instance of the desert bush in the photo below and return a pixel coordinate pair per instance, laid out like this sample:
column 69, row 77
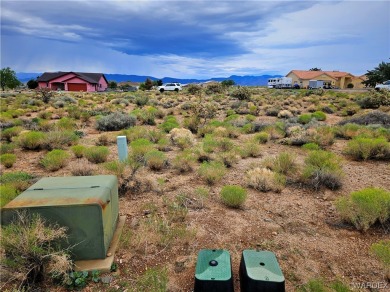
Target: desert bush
column 96, row 154
column 285, row 114
column 381, row 250
column 182, row 137
column 115, row 122
column 78, row 150
column 212, row 172
column 139, row 148
column 262, row 137
column 32, row 250
column 230, row 158
column 82, row 168
column 19, row 180
column 311, row 146
column 214, row 88
column 374, row 99
column 304, row 118
column 8, row 159
column 323, row 136
column 184, row 161
column 115, row 167
column 59, row 139
column 7, row 194
column 284, row 163
column 7, row 148
column 361, row 148
column 264, row 180
column 194, row 89
column 141, row 100
column 322, row 168
column 169, row 123
column 250, row 149
column 120, row 101
column 66, row 124
column 9, row 133
column 54, row 160
column 233, row 196
column 104, row 140
column 155, row 159
column 365, row 207
column 319, row 115
column 372, row 118
column 134, row 133
column 241, row 93
column 31, row 140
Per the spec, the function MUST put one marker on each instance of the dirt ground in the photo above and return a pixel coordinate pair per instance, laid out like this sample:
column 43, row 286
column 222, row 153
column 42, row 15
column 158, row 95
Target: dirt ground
column 300, row 225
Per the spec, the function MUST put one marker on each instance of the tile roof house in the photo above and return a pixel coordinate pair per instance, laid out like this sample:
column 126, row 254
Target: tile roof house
column 331, row 78
column 73, row 81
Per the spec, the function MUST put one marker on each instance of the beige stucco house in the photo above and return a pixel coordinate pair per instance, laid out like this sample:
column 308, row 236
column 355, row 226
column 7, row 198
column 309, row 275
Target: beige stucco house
column 331, row 78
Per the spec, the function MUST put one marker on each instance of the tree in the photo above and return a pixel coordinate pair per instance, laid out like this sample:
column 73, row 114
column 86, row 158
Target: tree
column 379, row 74
column 112, row 85
column 158, row 82
column 228, row 82
column 32, row 84
column 8, row 79
column 148, row 84
column 315, row 69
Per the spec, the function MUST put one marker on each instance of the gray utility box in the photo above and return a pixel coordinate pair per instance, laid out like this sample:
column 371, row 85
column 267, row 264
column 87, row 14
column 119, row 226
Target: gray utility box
column 86, row 205
column 213, row 272
column 260, row 271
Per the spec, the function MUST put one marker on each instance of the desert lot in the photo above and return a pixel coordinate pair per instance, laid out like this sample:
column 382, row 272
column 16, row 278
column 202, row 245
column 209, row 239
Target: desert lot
column 170, row 189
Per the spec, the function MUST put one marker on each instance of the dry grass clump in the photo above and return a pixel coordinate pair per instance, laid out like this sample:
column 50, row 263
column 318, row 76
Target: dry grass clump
column 82, row 168
column 264, row 180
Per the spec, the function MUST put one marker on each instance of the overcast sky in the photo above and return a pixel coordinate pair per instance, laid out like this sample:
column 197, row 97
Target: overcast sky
column 194, row 39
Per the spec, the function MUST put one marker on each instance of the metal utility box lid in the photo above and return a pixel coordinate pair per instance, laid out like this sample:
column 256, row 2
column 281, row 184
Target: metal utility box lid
column 86, row 205
column 262, row 266
column 213, row 265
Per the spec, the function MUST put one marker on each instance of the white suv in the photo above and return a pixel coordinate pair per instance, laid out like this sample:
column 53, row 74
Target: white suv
column 384, row 85
column 170, row 87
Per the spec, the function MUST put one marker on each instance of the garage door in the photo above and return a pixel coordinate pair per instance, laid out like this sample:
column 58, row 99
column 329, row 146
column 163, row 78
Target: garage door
column 77, row 87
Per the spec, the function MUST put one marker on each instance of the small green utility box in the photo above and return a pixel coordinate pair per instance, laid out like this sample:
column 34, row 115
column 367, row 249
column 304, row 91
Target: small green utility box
column 213, row 272
column 260, row 271
column 87, row 205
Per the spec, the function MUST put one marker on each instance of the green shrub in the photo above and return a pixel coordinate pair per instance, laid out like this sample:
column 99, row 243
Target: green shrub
column 115, row 122
column 374, row 99
column 141, row 100
column 54, row 160
column 115, row 167
column 241, row 93
column 9, row 133
column 169, row 123
column 214, row 88
column 233, row 196
column 319, row 115
column 78, row 150
column 262, row 137
column 250, row 149
column 155, row 159
column 96, row 154
column 7, row 148
column 284, row 163
column 32, row 250
column 59, row 139
column 311, row 146
column 7, row 194
column 323, row 136
column 365, row 148
column 381, row 250
column 304, row 118
column 31, row 140
column 365, row 207
column 322, row 168
column 66, row 124
column 212, row 172
column 8, row 159
column 139, row 148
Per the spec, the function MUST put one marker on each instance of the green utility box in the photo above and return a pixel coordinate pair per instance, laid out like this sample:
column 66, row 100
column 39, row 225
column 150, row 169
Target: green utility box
column 213, row 272
column 86, row 205
column 260, row 271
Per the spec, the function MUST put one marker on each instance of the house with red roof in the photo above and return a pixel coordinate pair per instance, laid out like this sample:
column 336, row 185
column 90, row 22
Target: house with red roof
column 73, row 81
column 336, row 79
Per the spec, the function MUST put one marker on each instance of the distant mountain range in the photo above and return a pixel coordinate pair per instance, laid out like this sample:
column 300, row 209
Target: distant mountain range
column 239, row 80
